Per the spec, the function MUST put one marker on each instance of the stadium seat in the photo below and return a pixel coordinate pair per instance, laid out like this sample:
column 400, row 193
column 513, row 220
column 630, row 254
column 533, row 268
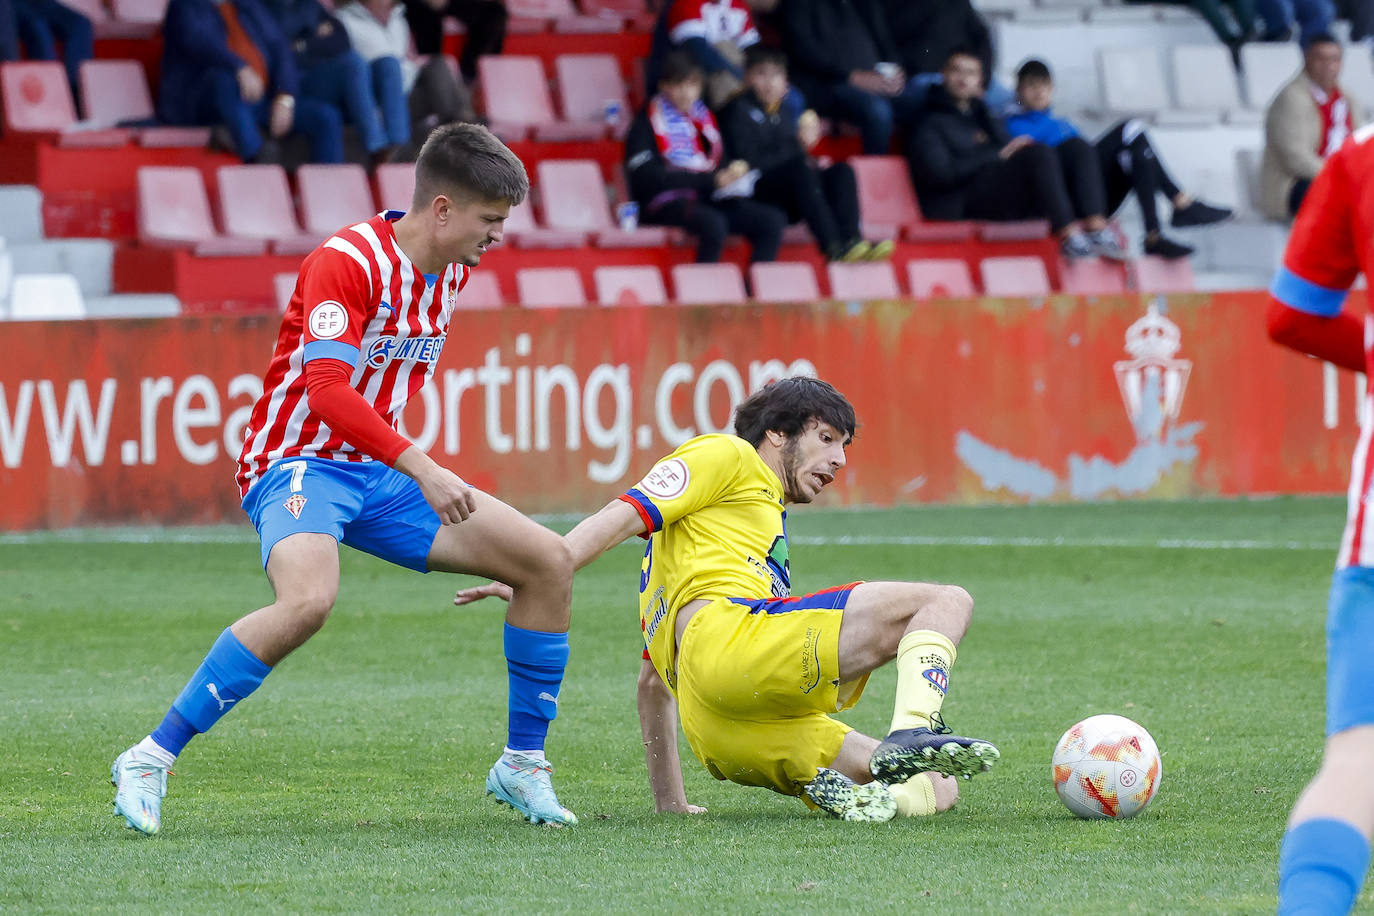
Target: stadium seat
column 939, row 278
column 283, row 288
column 39, row 297
column 1205, row 81
column 522, row 231
column 1133, row 83
column 1248, row 178
column 574, row 198
column 482, row 291
column 332, row 197
column 1014, row 276
column 863, row 281
column 1157, row 275
column 1265, row 67
column 37, row 97
column 255, row 203
column 784, row 281
column 114, row 91
column 1357, row 74
column 173, row 209
column 888, row 208
column 636, row 11
column 708, row 284
column 1092, row 277
column 1013, row 230
column 640, row 285
column 150, row 12
column 395, row 185
column 587, row 85
column 550, row 287
column 517, row 101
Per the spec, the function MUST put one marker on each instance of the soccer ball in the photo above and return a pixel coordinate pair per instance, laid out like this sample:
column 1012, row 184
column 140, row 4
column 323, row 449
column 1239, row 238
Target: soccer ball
column 1106, row 766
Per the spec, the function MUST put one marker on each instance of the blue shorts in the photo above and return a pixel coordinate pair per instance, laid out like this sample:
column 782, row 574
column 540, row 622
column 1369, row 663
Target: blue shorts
column 363, row 504
column 1350, row 650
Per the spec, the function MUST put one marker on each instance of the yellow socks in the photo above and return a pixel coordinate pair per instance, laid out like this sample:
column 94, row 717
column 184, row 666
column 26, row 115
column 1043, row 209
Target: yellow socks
column 924, row 658
column 915, row 797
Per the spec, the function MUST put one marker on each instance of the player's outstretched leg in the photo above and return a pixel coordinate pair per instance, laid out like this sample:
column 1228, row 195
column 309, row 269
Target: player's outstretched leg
column 908, row 751
column 839, row 796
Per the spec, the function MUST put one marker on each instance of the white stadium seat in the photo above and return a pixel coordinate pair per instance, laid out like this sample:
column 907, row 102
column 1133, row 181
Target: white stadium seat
column 1265, row 67
column 39, row 297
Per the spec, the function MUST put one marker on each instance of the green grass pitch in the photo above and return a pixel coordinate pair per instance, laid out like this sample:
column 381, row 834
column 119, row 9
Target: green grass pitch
column 352, row 781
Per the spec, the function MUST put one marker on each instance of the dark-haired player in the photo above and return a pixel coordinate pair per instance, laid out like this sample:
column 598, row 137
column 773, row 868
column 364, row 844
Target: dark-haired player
column 756, row 672
column 323, row 464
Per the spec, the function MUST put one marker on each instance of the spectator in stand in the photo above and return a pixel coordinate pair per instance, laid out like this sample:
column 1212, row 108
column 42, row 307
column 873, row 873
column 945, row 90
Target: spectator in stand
column 926, row 31
column 716, row 33
column 1308, row 120
column 226, row 63
column 484, row 20
column 845, row 64
column 1312, row 17
column 378, row 31
column 9, row 34
column 761, row 131
column 673, row 157
column 42, row 25
column 966, row 166
column 1121, row 161
column 1361, row 16
column 333, row 73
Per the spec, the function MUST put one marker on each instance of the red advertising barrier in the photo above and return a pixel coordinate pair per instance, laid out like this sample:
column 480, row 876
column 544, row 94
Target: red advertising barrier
column 1058, row 399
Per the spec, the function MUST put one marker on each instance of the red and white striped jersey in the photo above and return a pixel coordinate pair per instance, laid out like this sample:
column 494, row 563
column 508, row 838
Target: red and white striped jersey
column 713, row 20
column 358, row 300
column 1331, row 244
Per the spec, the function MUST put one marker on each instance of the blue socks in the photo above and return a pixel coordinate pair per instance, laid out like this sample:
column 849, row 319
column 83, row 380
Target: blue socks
column 229, row 673
column 535, row 663
column 1321, row 866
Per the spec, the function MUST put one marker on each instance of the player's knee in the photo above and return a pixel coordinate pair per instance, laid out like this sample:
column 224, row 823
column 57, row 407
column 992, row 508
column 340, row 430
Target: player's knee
column 958, row 602
column 310, row 609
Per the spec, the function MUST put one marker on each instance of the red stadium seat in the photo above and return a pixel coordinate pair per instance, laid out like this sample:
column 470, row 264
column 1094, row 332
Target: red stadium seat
column 888, row 208
column 1092, row 277
column 522, row 231
column 1014, row 276
column 863, row 281
column 550, row 287
column 1154, row 274
column 333, row 196
column 395, row 185
column 150, row 12
column 482, row 291
column 784, row 281
column 641, row 285
column 173, row 209
column 588, row 84
column 708, row 284
column 575, row 199
column 115, row 91
column 939, row 278
column 255, row 202
column 517, row 101
column 636, row 11
column 1013, row 230
column 36, row 96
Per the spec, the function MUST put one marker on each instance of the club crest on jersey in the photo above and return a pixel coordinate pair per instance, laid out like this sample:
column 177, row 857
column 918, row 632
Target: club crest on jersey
column 420, row 349
column 937, row 677
column 294, row 505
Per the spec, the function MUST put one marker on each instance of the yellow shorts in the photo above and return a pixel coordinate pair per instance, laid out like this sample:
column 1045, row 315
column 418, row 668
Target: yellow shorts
column 756, row 682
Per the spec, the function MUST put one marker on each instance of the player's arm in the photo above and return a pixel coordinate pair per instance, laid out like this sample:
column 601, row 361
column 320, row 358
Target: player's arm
column 658, row 724
column 335, row 292
column 1307, row 298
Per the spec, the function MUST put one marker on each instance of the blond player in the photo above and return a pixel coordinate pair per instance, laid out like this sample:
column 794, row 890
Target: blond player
column 757, row 673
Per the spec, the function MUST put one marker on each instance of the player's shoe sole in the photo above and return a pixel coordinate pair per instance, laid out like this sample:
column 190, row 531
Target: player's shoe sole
column 526, row 785
column 909, row 751
column 839, row 796
column 139, row 790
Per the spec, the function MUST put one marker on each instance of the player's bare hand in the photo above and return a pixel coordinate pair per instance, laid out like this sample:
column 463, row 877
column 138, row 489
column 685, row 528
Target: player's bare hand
column 681, row 807
column 478, row 592
column 447, row 494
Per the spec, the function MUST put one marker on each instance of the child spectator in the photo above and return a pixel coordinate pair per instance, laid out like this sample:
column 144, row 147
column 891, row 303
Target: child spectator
column 1119, row 162
column 673, row 159
column 760, row 130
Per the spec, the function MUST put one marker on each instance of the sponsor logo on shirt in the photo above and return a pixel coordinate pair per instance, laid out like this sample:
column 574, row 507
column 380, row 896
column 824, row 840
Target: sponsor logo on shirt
column 420, row 349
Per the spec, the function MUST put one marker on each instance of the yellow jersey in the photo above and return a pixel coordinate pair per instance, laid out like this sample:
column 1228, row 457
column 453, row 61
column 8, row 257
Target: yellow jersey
column 714, row 518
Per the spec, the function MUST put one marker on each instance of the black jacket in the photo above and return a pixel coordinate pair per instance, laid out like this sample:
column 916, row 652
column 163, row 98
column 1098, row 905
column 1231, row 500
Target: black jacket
column 948, row 148
column 926, row 31
column 761, row 139
column 826, row 40
column 650, row 175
